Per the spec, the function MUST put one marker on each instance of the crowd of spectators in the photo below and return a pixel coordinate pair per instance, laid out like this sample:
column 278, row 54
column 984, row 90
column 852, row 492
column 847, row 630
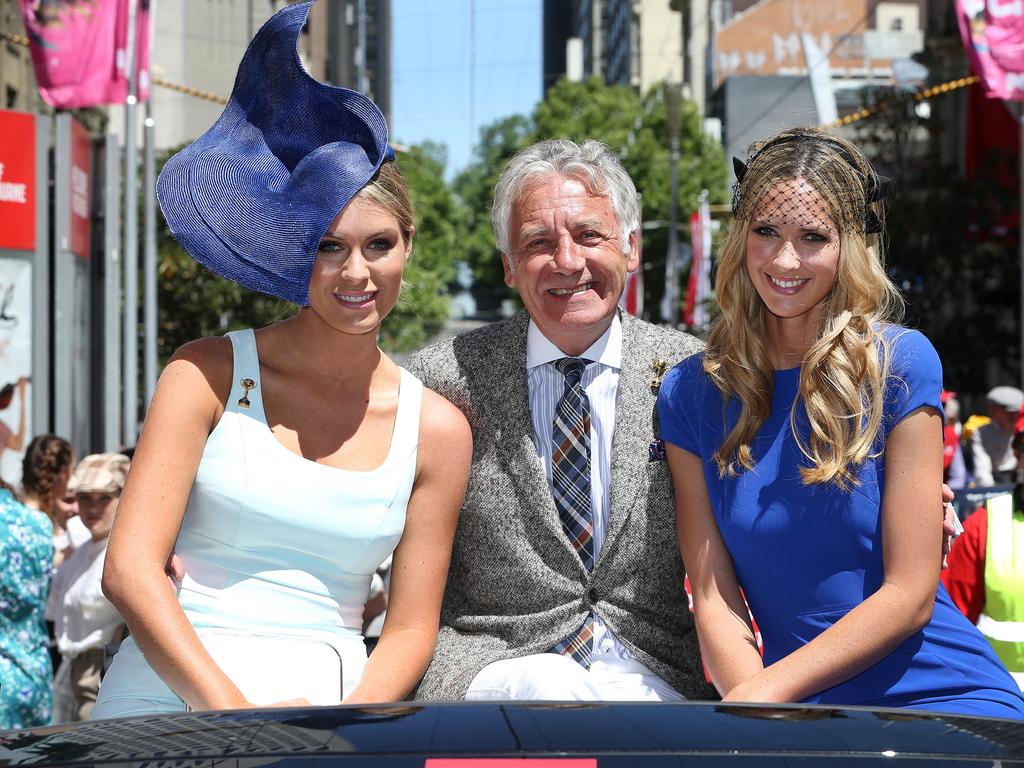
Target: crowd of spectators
column 54, row 619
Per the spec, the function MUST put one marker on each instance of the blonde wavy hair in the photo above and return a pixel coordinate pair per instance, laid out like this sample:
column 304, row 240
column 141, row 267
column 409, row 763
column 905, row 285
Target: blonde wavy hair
column 843, row 374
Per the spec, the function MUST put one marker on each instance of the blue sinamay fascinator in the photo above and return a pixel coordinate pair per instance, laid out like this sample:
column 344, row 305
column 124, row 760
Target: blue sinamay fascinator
column 252, row 197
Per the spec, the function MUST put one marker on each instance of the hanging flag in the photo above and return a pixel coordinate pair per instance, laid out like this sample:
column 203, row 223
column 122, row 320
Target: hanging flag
column 698, row 290
column 993, row 34
column 80, row 50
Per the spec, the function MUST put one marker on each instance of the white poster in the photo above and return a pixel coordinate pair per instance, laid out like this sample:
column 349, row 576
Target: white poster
column 15, row 365
column 81, row 416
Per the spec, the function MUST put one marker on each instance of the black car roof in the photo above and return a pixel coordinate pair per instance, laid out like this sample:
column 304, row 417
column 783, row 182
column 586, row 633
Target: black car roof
column 471, row 734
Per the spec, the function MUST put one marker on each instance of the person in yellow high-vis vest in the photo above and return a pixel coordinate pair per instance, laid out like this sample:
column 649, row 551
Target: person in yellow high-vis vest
column 985, row 576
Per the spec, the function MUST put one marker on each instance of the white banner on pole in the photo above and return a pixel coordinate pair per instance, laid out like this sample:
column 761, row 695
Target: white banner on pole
column 15, row 364
column 820, row 73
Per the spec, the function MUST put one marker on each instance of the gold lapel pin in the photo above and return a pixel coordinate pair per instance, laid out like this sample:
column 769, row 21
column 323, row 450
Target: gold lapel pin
column 247, row 384
column 660, row 369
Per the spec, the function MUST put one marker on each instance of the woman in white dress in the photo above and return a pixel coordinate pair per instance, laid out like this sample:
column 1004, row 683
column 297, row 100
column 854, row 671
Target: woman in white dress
column 282, row 466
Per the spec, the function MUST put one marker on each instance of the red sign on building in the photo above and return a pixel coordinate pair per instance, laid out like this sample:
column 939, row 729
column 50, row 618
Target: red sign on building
column 81, row 191
column 17, row 181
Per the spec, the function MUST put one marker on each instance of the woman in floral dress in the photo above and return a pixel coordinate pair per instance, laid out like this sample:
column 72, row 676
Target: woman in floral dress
column 26, row 551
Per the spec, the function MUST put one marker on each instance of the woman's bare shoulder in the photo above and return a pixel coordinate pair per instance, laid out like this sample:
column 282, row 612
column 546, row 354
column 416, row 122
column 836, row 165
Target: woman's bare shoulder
column 442, row 423
column 207, row 361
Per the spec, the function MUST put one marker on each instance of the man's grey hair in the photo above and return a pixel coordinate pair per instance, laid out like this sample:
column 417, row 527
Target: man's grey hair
column 591, row 163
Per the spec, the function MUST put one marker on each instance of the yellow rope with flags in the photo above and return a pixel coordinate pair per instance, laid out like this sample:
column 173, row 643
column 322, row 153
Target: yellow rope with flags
column 854, row 117
column 921, row 95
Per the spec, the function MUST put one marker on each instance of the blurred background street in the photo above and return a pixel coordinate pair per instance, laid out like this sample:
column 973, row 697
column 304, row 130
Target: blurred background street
column 95, row 294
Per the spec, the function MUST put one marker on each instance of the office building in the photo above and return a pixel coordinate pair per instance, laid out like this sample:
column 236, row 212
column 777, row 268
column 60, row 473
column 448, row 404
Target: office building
column 355, row 26
column 636, row 43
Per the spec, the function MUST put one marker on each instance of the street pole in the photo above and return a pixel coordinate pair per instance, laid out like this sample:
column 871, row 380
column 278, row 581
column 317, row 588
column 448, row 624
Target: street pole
column 361, row 77
column 149, row 237
column 672, row 99
column 1020, row 237
column 112, row 334
column 131, row 244
column 149, row 257
column 472, row 72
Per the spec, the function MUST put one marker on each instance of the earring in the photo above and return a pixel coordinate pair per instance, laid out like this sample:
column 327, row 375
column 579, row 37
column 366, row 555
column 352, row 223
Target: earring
column 247, row 384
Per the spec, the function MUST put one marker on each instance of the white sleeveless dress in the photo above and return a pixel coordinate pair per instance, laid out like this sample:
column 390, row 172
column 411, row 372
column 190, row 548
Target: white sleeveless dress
column 276, row 544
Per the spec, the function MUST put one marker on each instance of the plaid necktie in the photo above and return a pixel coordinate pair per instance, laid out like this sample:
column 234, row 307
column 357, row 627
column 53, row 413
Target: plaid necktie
column 570, row 484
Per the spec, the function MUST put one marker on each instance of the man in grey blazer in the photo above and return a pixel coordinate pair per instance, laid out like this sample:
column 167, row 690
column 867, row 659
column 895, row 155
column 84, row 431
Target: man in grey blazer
column 565, row 580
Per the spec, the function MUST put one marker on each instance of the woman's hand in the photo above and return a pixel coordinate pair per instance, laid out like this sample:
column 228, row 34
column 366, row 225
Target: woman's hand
column 756, row 689
column 186, row 407
column 283, row 703
column 726, row 636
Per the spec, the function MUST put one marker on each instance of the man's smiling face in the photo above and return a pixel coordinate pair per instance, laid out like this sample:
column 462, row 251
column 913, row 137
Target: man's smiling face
column 567, row 261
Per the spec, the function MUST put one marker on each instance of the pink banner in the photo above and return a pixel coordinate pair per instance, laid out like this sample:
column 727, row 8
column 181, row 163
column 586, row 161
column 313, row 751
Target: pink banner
column 81, row 183
column 993, row 34
column 79, row 49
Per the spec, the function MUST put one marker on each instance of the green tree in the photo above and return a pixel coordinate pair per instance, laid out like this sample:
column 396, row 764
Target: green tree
column 633, row 126
column 423, row 307
column 475, row 189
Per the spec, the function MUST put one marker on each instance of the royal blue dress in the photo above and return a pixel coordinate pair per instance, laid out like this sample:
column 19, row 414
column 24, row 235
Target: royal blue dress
column 806, row 555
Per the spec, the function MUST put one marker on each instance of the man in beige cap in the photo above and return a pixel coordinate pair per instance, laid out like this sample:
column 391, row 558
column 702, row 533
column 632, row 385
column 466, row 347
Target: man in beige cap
column 994, row 460
column 85, row 620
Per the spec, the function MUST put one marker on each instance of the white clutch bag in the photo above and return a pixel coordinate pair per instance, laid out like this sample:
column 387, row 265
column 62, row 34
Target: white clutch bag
column 271, row 668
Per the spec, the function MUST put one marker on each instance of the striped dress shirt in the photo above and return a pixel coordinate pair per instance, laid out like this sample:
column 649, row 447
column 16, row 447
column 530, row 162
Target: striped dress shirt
column 601, row 382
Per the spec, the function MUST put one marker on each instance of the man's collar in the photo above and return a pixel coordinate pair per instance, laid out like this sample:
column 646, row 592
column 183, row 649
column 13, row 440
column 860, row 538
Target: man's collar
column 607, row 350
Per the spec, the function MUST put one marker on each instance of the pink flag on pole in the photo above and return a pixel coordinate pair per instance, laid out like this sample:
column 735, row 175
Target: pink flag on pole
column 79, row 50
column 695, row 313
column 993, row 34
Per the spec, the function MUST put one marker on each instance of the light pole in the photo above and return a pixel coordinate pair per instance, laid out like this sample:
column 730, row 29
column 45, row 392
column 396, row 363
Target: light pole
column 131, row 244
column 672, row 104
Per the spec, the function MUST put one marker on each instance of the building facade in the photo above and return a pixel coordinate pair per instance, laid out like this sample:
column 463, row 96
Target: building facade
column 636, row 43
column 785, row 63
column 354, row 27
column 198, row 44
column 17, row 80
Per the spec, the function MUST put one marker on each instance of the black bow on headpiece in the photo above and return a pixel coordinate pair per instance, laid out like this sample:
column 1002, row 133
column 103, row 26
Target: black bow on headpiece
column 873, row 192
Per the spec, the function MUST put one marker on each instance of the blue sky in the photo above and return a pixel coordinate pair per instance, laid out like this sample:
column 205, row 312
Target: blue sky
column 436, row 94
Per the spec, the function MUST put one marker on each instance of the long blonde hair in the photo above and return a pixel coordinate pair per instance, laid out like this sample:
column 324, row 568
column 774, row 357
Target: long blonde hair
column 843, row 374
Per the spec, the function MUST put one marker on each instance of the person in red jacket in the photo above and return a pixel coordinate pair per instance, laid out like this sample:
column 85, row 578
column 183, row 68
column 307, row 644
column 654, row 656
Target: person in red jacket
column 991, row 594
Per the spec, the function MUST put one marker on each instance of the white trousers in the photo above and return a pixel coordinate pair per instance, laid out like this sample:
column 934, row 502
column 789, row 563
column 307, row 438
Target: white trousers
column 553, row 677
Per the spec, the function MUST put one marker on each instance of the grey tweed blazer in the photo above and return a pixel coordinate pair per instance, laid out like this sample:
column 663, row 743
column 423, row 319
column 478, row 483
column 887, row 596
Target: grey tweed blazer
column 516, row 586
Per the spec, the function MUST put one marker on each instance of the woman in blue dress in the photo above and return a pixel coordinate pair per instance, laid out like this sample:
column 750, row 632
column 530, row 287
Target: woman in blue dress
column 806, row 452
column 283, row 465
column 26, row 551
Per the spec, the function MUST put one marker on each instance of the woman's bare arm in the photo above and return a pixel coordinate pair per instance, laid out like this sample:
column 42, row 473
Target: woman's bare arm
column 420, row 566
column 727, row 640
column 185, row 408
